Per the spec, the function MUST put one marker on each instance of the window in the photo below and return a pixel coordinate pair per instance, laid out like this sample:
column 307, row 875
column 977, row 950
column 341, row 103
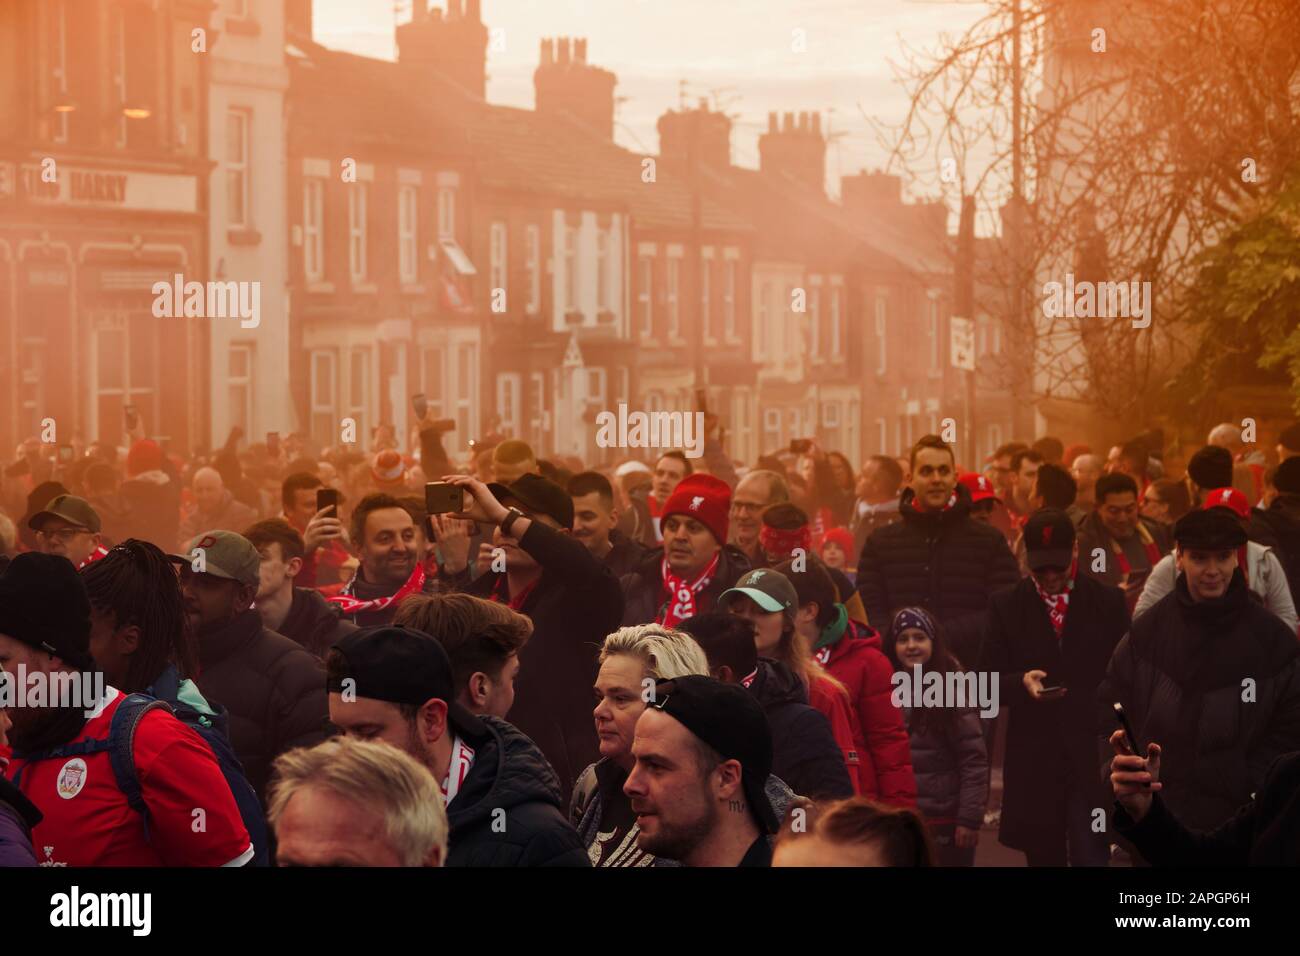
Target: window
column 357, row 231
column 771, row 427
column 882, row 436
column 238, row 122
column 603, row 262
column 674, row 284
column 831, row 415
column 508, row 388
column 58, row 59
column 132, row 56
column 594, row 386
column 995, row 439
column 645, row 295
column 710, row 334
column 238, row 10
column 446, row 212
column 729, row 299
column 537, row 422
column 324, row 420
column 118, row 53
column 408, row 234
column 760, row 327
column 359, row 389
column 125, row 364
column 814, row 322
column 882, row 329
column 932, row 323
column 466, row 389
column 497, row 257
column 570, row 269
column 533, row 264
column 313, row 212
column 433, row 378
column 239, row 376
column 837, row 335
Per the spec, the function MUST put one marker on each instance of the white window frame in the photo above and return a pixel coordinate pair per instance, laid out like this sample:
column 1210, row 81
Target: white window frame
column 239, row 169
column 359, row 396
column 572, row 289
column 509, row 390
column 706, row 293
column 932, row 325
column 760, row 325
column 837, row 318
column 239, row 10
column 672, row 296
column 358, row 267
column 830, row 414
column 313, row 228
column 465, row 398
column 117, row 32
column 498, row 239
column 815, row 321
column 244, row 382
column 533, row 265
column 319, row 408
column 595, row 386
column 604, row 271
column 882, row 435
column 730, row 272
column 446, row 212
column 59, row 66
column 408, row 233
column 432, row 383
column 645, row 294
column 882, row 333
column 771, row 427
column 537, row 405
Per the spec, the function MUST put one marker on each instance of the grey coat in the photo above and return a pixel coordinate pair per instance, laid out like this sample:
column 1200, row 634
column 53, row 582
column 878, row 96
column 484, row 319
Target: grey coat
column 951, row 767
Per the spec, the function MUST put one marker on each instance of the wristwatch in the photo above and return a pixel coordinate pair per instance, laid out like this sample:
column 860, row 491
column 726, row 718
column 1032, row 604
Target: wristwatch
column 508, row 521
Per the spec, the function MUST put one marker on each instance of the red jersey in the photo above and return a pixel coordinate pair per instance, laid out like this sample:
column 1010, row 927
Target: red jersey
column 89, row 823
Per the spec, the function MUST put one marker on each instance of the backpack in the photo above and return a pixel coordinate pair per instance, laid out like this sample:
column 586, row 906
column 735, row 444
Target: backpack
column 120, row 745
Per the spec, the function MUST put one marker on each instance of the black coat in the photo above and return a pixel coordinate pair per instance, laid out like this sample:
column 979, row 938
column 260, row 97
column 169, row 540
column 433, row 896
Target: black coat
column 804, row 752
column 944, row 561
column 1050, row 742
column 1181, row 674
column 314, row 623
column 643, row 589
column 273, row 690
column 1264, row 832
column 151, row 512
column 1092, row 534
column 508, row 810
column 625, row 554
column 1282, row 521
column 573, row 607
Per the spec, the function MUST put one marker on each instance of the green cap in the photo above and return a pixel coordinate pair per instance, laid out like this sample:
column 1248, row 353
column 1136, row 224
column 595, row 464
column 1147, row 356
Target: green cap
column 770, row 590
column 71, row 509
column 225, row 555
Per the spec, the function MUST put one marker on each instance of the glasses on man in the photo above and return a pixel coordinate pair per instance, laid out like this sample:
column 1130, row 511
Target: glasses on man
column 63, row 534
column 746, row 507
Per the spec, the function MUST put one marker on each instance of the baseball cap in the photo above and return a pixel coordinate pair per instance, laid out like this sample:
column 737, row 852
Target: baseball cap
column 71, row 509
column 1210, row 530
column 729, row 719
column 225, row 555
column 979, row 487
column 1049, row 539
column 402, row 666
column 537, row 494
column 770, row 590
column 1229, row 498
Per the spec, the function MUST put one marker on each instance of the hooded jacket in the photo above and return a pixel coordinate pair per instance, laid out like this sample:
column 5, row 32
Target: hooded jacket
column 806, row 753
column 851, row 653
column 510, row 776
column 1282, row 519
column 17, row 817
column 314, row 623
column 643, row 589
column 1265, row 576
column 1217, row 685
column 943, row 561
column 273, row 690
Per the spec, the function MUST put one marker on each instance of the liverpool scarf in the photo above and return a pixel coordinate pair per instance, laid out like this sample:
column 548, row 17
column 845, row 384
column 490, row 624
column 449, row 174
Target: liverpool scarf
column 680, row 605
column 349, row 604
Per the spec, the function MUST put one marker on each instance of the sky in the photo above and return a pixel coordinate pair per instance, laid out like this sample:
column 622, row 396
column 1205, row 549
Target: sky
column 738, row 53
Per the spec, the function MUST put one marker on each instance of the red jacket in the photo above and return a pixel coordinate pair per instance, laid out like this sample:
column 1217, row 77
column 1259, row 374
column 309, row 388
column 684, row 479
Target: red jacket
column 856, row 660
column 836, row 707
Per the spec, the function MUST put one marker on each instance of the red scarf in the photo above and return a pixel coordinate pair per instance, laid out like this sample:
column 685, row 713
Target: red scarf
column 783, row 543
column 916, row 503
column 680, row 603
column 99, row 552
column 1148, row 544
column 514, row 602
column 1057, row 604
column 351, row 605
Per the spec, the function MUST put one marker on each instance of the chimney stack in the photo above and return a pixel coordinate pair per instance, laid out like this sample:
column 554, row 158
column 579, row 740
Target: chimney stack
column 699, row 133
column 797, row 150
column 455, row 45
column 565, row 83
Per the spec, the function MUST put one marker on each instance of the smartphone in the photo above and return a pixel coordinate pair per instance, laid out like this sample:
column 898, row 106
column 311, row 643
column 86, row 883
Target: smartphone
column 273, row 444
column 442, row 497
column 327, row 498
column 420, row 404
column 66, row 454
column 1130, row 738
column 800, row 446
column 1054, row 691
column 132, row 417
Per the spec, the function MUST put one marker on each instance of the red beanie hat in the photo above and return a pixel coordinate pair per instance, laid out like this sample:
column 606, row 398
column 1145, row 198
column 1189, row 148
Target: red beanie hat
column 704, row 498
column 145, row 455
column 841, row 536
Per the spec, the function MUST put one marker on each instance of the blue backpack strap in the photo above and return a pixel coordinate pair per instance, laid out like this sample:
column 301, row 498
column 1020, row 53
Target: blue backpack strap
column 121, row 748
column 82, row 748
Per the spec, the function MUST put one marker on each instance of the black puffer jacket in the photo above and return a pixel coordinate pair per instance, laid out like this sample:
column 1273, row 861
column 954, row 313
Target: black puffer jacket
column 508, row 810
column 1217, row 685
column 314, row 623
column 942, row 561
column 1282, row 519
column 804, row 752
column 951, row 764
column 273, row 690
column 643, row 589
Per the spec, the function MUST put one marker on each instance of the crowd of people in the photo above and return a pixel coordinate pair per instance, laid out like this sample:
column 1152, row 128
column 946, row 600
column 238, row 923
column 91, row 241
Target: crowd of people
column 302, row 659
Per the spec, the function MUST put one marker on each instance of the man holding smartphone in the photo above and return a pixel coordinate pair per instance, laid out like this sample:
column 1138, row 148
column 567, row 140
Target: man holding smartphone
column 1048, row 639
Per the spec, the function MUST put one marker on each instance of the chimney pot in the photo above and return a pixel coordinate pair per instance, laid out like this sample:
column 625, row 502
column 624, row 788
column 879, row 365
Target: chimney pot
column 771, row 123
column 564, row 51
column 580, row 51
column 788, row 122
column 817, row 123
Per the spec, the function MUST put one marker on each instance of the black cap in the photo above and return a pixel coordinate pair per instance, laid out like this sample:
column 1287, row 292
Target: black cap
column 1287, row 479
column 1049, row 539
column 43, row 603
column 730, row 720
column 402, row 666
column 1211, row 467
column 1216, row 529
column 537, row 494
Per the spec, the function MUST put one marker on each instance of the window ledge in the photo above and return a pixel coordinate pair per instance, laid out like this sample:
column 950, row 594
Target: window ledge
column 677, row 342
column 320, row 288
column 243, row 237
column 243, row 28
column 414, row 288
column 574, row 317
column 606, row 317
column 365, row 288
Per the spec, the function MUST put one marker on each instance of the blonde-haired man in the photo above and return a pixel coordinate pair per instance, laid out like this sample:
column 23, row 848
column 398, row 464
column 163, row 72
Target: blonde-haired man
column 351, row 803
